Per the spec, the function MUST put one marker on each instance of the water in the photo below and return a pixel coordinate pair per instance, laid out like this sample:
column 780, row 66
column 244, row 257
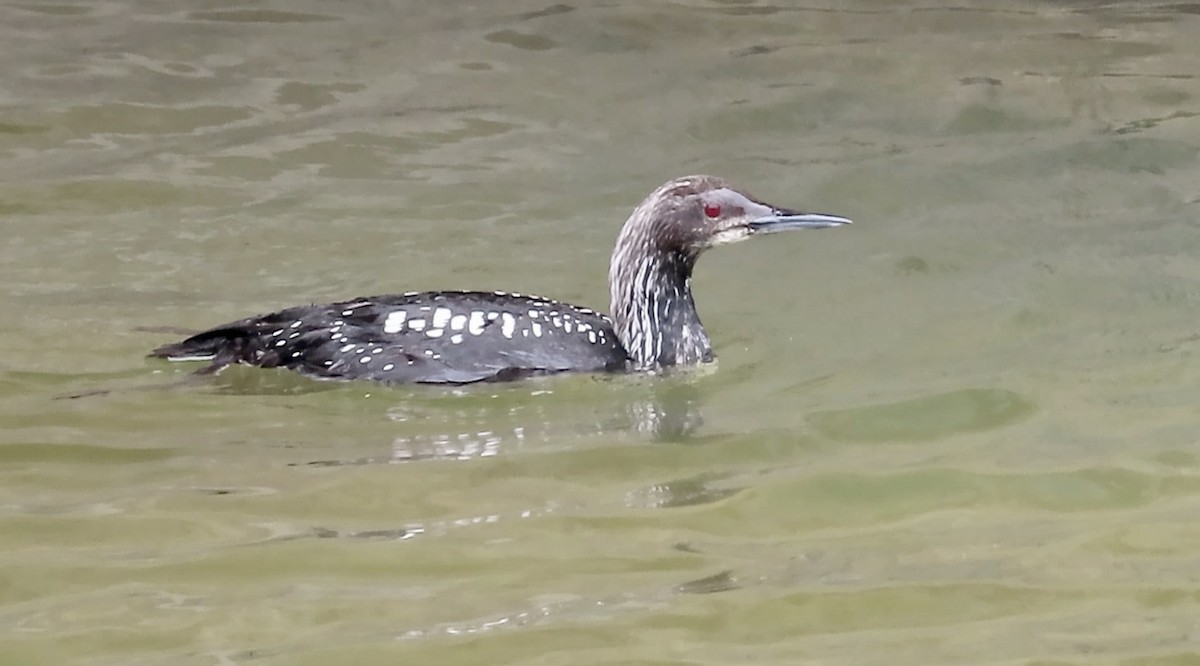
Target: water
column 963, row 430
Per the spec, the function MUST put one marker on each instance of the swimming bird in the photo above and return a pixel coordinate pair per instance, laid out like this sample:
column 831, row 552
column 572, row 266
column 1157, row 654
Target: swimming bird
column 461, row 337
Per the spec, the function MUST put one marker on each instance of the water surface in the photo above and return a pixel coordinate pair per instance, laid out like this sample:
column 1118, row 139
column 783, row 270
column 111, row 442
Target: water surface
column 963, row 430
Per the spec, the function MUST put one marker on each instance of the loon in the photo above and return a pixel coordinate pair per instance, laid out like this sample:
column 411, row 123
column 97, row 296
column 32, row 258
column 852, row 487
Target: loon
column 462, row 337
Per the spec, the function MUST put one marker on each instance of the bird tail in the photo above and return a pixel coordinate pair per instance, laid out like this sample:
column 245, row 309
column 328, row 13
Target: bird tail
column 221, row 346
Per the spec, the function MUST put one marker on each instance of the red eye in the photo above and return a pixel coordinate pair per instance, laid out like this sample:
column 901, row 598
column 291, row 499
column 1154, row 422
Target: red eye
column 712, row 210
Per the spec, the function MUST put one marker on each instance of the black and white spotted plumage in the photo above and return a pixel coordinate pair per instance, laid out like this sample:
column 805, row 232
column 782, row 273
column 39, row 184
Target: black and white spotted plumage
column 431, row 337
column 465, row 337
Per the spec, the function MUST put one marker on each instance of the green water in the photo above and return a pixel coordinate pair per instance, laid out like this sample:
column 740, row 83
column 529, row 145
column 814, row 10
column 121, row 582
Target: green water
column 964, row 430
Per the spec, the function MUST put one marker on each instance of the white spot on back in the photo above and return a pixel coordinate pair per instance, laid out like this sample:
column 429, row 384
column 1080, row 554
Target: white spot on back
column 537, row 329
column 492, row 316
column 365, row 359
column 388, row 367
column 476, row 325
column 457, row 322
column 395, row 321
column 441, row 317
column 456, row 338
column 297, row 323
column 277, row 333
column 508, row 325
column 346, row 348
column 417, row 324
column 434, row 332
column 592, row 337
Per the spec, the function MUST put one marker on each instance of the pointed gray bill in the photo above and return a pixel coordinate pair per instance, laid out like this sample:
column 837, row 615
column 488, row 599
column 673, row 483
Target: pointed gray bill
column 786, row 220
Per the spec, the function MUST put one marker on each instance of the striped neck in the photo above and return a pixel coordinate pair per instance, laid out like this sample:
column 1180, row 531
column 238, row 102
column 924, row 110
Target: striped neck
column 653, row 312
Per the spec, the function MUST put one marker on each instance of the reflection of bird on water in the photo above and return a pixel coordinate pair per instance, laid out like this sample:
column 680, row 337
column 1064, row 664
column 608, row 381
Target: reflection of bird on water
column 543, row 421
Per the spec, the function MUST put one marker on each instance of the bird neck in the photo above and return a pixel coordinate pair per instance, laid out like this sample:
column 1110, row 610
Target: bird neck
column 652, row 308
